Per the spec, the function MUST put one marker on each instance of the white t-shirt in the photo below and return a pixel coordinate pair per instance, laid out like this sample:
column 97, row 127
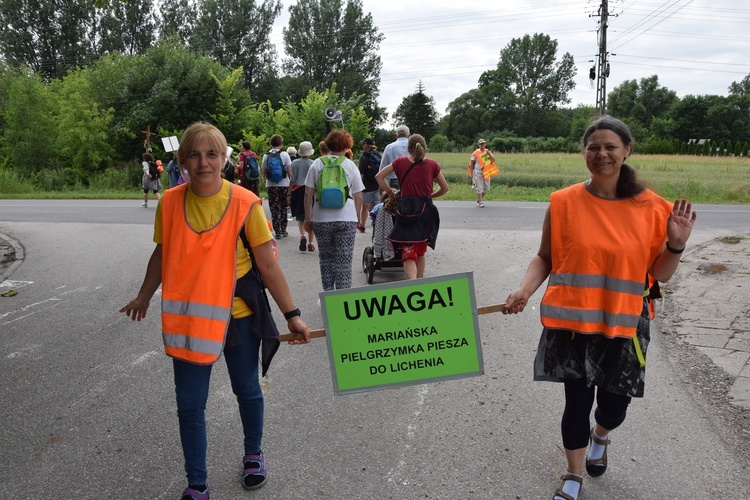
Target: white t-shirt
column 347, row 212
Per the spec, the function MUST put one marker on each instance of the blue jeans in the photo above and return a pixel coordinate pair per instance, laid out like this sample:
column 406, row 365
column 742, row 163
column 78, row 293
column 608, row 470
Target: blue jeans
column 191, row 387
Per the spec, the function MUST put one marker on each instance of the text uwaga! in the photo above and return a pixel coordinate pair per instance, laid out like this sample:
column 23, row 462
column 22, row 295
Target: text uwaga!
column 387, row 305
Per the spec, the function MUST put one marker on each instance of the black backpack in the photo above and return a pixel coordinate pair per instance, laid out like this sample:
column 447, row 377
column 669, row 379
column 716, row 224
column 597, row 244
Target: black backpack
column 371, row 170
column 153, row 170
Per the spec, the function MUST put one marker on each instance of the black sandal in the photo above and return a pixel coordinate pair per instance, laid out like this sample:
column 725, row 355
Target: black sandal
column 597, row 467
column 567, row 477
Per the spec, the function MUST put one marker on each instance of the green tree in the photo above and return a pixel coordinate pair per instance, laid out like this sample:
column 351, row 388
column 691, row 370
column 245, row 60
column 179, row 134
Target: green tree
column 305, row 120
column 582, row 117
column 49, row 36
column 741, row 88
column 330, row 42
column 81, row 137
column 529, row 82
column 729, row 116
column 237, row 34
column 642, row 102
column 689, row 116
column 440, row 144
column 417, row 111
column 127, row 27
column 27, row 141
column 465, row 117
column 177, row 18
column 167, row 88
column 229, row 112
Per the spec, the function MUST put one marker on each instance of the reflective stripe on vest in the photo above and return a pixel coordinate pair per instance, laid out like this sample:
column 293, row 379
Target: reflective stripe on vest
column 199, row 275
column 186, row 343
column 193, row 309
column 601, row 250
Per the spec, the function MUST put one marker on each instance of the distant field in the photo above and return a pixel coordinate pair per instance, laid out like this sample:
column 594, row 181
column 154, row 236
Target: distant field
column 532, row 177
column 529, row 177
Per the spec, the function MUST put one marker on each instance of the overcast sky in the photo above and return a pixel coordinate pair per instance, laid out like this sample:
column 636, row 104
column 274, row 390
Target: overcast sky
column 694, row 46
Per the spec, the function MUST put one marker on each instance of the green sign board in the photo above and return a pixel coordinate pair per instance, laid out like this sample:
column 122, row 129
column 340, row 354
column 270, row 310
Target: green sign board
column 403, row 333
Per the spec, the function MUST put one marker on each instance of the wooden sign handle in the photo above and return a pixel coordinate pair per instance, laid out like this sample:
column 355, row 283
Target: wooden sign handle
column 315, row 334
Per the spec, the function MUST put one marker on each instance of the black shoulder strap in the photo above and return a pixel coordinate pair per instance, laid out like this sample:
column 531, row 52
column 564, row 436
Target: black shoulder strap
column 401, row 181
column 254, row 270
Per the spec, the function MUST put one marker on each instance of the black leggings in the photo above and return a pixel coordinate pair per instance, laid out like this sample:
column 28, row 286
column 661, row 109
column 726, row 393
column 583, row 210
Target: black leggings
column 579, row 399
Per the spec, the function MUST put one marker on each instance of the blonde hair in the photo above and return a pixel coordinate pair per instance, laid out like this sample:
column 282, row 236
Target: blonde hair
column 200, row 132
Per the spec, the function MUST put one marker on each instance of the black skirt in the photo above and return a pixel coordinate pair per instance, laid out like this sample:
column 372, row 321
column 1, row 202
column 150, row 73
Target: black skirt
column 611, row 364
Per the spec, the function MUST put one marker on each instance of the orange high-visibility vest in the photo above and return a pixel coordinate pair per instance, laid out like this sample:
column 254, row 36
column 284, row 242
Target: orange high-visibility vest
column 199, row 275
column 601, row 252
column 489, row 168
column 479, row 156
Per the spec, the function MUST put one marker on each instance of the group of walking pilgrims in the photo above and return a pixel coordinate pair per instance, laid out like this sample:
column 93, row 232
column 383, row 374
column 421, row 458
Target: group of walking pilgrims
column 605, row 243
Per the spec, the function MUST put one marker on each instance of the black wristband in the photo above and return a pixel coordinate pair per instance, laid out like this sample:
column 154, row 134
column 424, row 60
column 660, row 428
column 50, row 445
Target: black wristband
column 672, row 250
column 291, row 314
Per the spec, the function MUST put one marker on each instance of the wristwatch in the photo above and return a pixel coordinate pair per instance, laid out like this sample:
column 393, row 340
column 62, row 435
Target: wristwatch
column 291, row 314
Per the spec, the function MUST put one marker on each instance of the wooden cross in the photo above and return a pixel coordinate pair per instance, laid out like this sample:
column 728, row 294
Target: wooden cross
column 148, row 133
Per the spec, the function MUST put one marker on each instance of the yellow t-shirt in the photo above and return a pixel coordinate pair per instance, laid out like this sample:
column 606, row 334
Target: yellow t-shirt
column 204, row 213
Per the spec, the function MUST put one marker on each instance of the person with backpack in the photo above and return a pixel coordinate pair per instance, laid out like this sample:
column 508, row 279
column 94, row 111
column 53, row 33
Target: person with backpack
column 369, row 165
column 300, row 168
column 292, row 152
column 333, row 200
column 150, row 180
column 248, row 170
column 275, row 167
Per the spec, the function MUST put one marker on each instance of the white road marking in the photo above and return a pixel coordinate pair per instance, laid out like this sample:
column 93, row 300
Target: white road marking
column 45, row 304
column 15, row 284
column 394, row 475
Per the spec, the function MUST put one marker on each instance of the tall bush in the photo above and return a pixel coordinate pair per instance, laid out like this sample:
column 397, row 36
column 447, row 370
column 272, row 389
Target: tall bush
column 27, row 141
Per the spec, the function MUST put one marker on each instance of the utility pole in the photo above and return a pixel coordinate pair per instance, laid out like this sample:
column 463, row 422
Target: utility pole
column 603, row 73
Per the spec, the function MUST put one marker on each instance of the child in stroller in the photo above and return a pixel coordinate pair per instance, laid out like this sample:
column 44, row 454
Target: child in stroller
column 383, row 253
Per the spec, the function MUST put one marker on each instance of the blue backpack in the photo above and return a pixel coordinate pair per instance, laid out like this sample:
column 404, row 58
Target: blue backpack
column 275, row 168
column 252, row 171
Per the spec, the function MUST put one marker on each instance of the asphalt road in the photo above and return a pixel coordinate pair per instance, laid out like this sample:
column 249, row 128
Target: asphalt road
column 89, row 407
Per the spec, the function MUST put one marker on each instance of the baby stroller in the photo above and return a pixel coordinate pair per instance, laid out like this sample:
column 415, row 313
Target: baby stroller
column 383, row 254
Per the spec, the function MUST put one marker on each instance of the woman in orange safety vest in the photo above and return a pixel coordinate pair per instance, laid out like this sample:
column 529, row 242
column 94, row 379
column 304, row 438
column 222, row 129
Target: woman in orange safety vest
column 212, row 299
column 603, row 241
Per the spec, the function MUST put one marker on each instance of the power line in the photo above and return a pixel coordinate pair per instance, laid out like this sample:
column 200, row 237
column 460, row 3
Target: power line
column 652, row 26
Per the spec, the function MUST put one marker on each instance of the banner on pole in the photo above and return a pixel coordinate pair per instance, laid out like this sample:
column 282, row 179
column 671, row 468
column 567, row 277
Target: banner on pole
column 170, row 143
column 404, row 333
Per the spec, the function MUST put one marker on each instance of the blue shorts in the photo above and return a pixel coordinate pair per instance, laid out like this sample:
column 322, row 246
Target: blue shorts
column 370, row 197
